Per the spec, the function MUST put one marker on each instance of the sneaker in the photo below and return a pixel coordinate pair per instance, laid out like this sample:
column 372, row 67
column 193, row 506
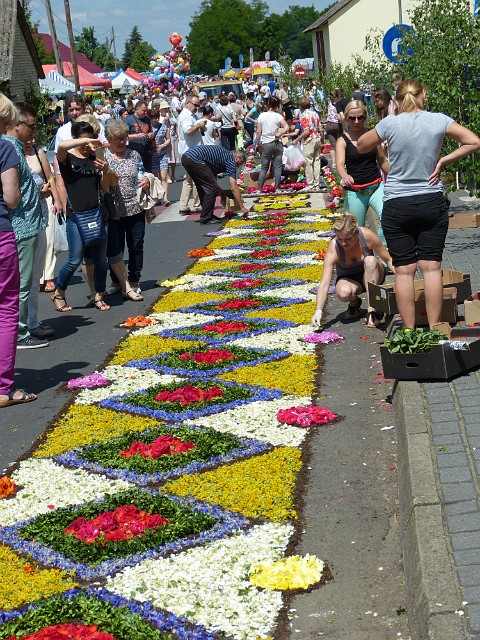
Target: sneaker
column 42, row 332
column 30, row 342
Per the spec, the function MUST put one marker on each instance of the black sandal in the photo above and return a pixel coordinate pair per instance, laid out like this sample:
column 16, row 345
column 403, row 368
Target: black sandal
column 376, row 317
column 353, row 310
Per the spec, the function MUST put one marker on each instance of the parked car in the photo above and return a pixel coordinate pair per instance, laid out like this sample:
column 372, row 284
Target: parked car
column 215, row 88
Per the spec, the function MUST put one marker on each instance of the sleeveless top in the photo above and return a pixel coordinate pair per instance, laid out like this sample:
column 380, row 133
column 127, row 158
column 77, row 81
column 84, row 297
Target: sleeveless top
column 361, row 166
column 345, row 268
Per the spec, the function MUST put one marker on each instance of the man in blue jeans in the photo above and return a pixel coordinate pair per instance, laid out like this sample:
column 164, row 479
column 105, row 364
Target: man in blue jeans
column 203, row 164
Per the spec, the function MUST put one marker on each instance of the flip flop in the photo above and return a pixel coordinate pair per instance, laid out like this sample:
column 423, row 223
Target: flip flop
column 376, row 317
column 25, row 397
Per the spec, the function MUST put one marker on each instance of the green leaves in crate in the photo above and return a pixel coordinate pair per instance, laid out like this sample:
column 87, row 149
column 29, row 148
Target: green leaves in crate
column 414, row 340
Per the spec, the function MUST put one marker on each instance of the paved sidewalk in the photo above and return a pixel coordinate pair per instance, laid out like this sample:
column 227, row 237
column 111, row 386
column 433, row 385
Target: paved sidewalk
column 438, row 428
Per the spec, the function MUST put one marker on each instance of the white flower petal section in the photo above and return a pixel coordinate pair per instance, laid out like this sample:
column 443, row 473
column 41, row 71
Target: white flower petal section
column 172, row 320
column 43, row 483
column 298, row 260
column 124, row 380
column 259, row 420
column 200, row 280
column 284, row 339
column 223, row 253
column 294, row 291
column 210, row 585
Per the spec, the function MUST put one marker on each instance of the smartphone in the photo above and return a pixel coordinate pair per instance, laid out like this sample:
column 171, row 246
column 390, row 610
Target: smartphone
column 99, row 153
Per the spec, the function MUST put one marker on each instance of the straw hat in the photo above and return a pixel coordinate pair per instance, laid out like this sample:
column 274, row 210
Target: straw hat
column 163, row 105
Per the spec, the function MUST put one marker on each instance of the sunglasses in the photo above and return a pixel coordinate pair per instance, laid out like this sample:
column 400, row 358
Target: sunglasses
column 356, row 118
column 32, row 127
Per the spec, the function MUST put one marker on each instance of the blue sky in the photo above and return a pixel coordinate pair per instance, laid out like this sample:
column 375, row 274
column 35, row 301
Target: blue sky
column 155, row 20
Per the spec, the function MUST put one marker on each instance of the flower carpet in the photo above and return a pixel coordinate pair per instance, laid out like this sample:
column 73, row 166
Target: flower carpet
column 162, row 504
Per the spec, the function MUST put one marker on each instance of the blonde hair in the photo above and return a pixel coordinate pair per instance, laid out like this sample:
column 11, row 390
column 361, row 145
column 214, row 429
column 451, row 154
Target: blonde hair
column 9, row 114
column 355, row 104
column 347, row 222
column 409, row 96
column 92, row 121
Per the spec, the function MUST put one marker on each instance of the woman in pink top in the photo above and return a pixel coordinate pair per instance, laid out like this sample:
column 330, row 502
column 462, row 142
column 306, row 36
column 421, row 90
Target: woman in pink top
column 312, row 136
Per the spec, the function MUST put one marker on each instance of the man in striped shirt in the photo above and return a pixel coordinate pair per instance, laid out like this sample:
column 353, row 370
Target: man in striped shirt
column 203, row 164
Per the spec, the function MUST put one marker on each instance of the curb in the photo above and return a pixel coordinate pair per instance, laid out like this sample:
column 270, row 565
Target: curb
column 433, row 595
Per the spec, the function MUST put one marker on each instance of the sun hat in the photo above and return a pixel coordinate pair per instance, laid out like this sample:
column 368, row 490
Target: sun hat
column 163, row 105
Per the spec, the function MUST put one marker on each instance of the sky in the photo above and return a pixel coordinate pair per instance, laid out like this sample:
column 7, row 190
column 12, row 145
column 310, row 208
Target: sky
column 155, row 21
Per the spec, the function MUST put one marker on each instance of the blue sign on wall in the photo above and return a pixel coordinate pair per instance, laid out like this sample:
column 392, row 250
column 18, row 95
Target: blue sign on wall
column 476, row 8
column 392, row 42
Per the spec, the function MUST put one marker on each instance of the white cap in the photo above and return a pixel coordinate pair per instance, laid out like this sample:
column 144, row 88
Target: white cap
column 202, row 95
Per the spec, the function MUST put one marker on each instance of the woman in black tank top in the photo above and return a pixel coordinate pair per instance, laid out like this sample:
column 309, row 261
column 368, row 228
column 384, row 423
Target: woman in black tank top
column 352, row 253
column 360, row 172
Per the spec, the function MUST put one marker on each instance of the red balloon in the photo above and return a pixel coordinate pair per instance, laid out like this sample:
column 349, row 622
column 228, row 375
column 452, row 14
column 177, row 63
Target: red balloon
column 175, row 39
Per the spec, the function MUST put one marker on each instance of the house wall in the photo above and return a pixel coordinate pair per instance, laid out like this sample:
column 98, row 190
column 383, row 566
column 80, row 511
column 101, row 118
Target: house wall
column 344, row 34
column 23, row 67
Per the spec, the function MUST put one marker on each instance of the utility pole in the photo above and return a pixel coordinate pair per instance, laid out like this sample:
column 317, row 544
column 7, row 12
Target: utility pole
column 114, row 48
column 400, row 21
column 73, row 50
column 53, row 33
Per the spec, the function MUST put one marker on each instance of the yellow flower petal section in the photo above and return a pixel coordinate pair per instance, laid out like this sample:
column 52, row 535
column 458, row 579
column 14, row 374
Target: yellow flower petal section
column 311, row 272
column 224, row 243
column 294, row 572
column 146, row 346
column 23, row 581
column 261, row 487
column 211, row 265
column 84, row 424
column 307, row 246
column 317, row 226
column 294, row 375
column 178, row 299
column 232, row 224
column 299, row 313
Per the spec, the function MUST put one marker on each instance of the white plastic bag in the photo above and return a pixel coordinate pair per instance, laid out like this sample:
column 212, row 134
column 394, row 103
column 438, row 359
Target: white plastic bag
column 60, row 243
column 294, row 158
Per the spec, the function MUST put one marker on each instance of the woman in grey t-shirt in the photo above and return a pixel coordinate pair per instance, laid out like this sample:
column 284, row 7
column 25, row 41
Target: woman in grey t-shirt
column 415, row 213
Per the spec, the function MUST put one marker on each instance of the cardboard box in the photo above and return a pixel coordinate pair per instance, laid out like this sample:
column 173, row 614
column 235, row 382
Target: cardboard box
column 440, row 363
column 463, row 220
column 382, row 296
column 472, row 309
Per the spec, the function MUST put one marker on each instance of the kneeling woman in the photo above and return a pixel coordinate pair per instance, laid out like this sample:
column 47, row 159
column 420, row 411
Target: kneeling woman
column 352, row 252
column 84, row 175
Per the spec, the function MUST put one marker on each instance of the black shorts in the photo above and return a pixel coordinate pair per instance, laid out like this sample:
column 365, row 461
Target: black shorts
column 415, row 227
column 358, row 276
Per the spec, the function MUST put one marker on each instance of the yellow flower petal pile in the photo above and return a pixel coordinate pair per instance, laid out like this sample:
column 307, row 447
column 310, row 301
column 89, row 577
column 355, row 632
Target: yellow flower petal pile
column 314, row 245
column 317, row 226
column 23, row 581
column 294, row 572
column 211, row 265
column 224, row 243
column 299, row 313
column 178, row 299
column 85, row 424
column 261, row 487
column 146, row 346
column 308, row 272
column 294, row 375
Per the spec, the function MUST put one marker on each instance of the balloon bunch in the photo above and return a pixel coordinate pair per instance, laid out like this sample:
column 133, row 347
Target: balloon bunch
column 169, row 69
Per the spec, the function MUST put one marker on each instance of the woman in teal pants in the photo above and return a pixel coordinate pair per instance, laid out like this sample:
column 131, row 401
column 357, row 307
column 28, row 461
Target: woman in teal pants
column 360, row 172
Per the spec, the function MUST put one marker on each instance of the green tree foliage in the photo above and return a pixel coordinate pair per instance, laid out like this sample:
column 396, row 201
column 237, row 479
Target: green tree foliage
column 222, row 28
column 131, row 44
column 141, row 57
column 446, row 60
column 99, row 53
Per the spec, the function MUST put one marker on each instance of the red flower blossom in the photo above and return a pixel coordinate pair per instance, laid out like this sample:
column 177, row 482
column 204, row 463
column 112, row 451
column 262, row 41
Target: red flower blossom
column 163, row 445
column 123, row 523
column 236, row 305
column 188, row 394
column 211, row 356
column 248, row 268
column 248, row 283
column 67, row 631
column 273, row 232
column 301, row 416
column 223, row 327
column 268, row 241
column 266, row 253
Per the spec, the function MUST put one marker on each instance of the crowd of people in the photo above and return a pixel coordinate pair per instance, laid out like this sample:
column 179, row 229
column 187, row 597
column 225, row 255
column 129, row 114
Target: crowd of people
column 109, row 155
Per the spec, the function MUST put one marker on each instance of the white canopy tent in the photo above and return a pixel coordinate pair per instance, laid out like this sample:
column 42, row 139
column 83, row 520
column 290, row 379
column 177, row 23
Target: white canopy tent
column 55, row 84
column 118, row 81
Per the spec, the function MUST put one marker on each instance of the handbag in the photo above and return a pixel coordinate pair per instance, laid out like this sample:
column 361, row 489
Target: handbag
column 60, row 242
column 110, row 207
column 90, row 226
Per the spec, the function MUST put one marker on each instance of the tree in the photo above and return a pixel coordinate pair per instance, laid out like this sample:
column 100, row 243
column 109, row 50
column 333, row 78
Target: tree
column 87, row 43
column 446, row 60
column 141, row 57
column 131, row 44
column 222, row 28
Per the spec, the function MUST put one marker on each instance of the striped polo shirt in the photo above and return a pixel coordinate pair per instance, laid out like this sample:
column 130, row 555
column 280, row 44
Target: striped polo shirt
column 218, row 159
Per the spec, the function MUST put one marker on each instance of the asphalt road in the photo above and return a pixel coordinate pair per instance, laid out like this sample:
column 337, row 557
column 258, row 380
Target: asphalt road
column 84, row 336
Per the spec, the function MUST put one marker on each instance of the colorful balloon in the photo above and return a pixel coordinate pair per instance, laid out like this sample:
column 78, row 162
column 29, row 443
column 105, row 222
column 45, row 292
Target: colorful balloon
column 175, row 39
